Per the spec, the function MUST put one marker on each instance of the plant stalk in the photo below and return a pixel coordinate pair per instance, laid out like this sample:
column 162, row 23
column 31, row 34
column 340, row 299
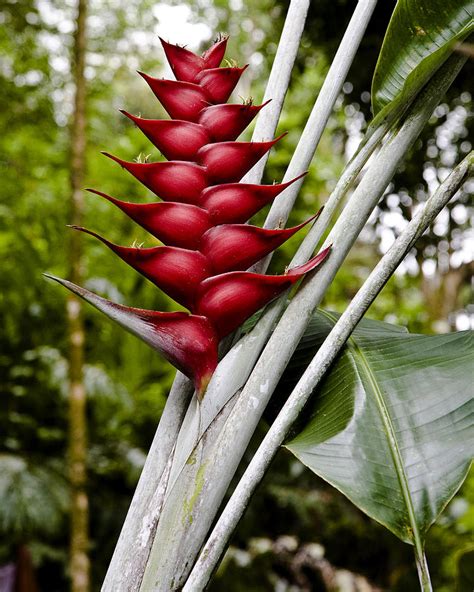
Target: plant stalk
column 197, row 491
column 132, row 549
column 423, row 571
column 278, row 82
column 254, row 473
column 318, row 118
column 133, row 546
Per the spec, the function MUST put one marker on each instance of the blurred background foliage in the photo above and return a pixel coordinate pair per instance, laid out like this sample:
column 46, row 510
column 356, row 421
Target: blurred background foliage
column 299, row 533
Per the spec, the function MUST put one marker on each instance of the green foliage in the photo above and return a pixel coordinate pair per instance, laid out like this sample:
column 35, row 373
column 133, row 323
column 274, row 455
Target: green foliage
column 419, row 38
column 127, row 383
column 34, row 499
column 391, row 422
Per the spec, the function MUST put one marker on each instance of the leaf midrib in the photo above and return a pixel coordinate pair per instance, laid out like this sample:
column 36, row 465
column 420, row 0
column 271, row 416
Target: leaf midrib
column 364, row 367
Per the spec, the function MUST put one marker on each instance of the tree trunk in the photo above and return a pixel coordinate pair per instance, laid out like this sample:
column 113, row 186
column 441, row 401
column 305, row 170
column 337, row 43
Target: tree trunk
column 79, row 542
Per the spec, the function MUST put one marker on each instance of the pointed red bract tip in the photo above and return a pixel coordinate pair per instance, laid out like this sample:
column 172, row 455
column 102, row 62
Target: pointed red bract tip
column 225, row 123
column 178, row 272
column 176, row 139
column 175, row 224
column 233, row 247
column 226, row 162
column 184, row 63
column 310, row 265
column 181, row 100
column 219, row 82
column 229, row 299
column 215, row 54
column 175, row 180
column 189, row 342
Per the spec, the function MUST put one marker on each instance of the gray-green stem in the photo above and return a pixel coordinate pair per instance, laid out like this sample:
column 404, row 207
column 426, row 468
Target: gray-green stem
column 239, row 500
column 131, row 552
column 200, row 486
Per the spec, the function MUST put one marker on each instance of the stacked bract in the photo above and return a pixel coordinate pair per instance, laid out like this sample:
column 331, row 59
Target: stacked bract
column 202, row 218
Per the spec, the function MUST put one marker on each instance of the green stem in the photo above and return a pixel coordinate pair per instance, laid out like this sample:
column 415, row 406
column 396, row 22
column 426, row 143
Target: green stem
column 422, row 567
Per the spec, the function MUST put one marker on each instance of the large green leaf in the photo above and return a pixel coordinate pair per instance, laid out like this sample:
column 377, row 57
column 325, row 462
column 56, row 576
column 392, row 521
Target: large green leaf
column 420, row 37
column 391, row 424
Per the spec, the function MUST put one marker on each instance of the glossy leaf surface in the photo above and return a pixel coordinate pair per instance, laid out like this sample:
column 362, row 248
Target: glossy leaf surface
column 420, row 37
column 391, row 424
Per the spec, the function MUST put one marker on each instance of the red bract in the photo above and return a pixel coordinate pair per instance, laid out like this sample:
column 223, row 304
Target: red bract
column 177, row 140
column 219, row 82
column 189, row 342
column 172, row 181
column 238, row 202
column 238, row 246
column 229, row 299
column 207, row 246
column 226, row 122
column 181, row 100
column 229, row 161
column 186, row 65
column 178, row 272
column 175, row 224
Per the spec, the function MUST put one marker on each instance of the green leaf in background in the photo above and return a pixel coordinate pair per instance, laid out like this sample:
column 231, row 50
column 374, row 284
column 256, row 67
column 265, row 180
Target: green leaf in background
column 420, row 37
column 35, row 499
column 391, row 424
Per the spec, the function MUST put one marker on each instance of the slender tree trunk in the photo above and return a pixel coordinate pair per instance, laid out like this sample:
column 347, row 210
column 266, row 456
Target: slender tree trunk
column 79, row 542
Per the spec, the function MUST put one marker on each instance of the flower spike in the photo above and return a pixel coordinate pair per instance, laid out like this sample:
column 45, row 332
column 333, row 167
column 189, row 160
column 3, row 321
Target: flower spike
column 201, row 220
column 189, row 342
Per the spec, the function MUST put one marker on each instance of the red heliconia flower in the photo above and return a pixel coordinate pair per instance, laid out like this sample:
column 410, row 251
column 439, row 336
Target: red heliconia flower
column 178, row 272
column 225, row 123
column 238, row 246
column 207, row 247
column 189, row 342
column 238, row 202
column 229, row 299
column 230, row 161
column 186, row 65
column 175, row 180
column 176, row 140
column 175, row 224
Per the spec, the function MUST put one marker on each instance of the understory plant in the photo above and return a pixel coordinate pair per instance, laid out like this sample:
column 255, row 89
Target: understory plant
column 384, row 417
